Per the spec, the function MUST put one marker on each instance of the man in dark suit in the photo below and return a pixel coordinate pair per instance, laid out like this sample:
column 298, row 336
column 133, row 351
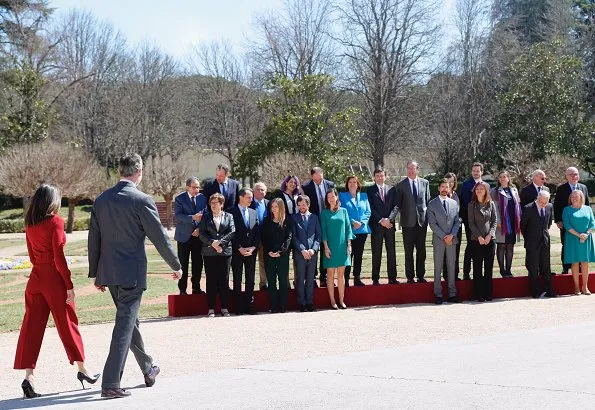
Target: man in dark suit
column 307, row 237
column 536, row 221
column 412, row 197
column 466, row 195
column 121, row 218
column 223, row 185
column 382, row 201
column 261, row 205
column 245, row 247
column 561, row 201
column 189, row 207
column 316, row 190
column 529, row 193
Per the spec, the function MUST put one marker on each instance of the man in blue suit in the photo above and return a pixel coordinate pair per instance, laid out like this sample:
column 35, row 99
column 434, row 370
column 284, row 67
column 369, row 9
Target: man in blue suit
column 223, row 185
column 261, row 205
column 189, row 207
column 306, row 241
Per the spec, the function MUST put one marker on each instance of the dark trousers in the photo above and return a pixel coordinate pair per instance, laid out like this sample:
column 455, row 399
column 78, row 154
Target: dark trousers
column 457, row 253
column 415, row 238
column 504, row 254
column 538, row 261
column 467, row 258
column 217, row 270
column 277, row 269
column 321, row 272
column 304, row 279
column 125, row 336
column 565, row 266
column 379, row 234
column 187, row 250
column 483, row 266
column 357, row 254
column 241, row 265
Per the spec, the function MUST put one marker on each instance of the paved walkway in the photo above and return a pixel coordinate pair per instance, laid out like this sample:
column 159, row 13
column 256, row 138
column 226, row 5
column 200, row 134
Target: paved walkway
column 520, row 353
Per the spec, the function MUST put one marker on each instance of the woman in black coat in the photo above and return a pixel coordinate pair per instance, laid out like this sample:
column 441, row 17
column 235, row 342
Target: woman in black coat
column 216, row 230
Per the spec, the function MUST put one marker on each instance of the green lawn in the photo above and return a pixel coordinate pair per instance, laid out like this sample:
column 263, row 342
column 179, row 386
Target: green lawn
column 97, row 307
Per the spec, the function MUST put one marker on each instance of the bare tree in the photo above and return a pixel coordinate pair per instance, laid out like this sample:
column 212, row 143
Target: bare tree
column 295, row 42
column 276, row 167
column 387, row 44
column 25, row 167
column 224, row 109
column 166, row 177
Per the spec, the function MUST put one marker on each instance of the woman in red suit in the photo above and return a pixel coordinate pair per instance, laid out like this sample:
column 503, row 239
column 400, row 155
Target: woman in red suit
column 49, row 289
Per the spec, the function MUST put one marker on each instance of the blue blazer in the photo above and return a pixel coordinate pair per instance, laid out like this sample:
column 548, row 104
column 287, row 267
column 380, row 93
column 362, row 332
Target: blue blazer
column 305, row 237
column 360, row 211
column 184, row 211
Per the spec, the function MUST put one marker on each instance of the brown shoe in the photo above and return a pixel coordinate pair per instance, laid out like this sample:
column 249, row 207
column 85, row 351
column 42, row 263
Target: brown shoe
column 150, row 377
column 114, row 393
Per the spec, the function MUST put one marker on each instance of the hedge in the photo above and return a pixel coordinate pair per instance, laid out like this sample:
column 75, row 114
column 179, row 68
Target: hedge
column 18, row 225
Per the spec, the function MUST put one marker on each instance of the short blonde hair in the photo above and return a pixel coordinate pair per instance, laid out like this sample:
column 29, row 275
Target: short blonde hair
column 580, row 194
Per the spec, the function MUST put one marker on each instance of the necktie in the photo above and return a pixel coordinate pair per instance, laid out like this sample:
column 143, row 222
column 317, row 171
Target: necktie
column 542, row 212
column 193, row 203
column 246, row 219
column 382, row 193
column 224, row 190
column 414, row 191
column 305, row 221
column 538, row 189
column 444, row 206
column 320, row 198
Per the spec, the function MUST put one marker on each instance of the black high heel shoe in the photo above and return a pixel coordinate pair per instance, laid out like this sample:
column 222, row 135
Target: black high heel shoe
column 91, row 380
column 28, row 391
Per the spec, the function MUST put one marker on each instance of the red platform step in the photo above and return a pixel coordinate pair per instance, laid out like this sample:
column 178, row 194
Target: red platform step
column 517, row 287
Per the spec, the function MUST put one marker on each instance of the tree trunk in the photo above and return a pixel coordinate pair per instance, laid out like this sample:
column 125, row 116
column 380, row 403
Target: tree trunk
column 26, row 203
column 168, row 209
column 71, row 207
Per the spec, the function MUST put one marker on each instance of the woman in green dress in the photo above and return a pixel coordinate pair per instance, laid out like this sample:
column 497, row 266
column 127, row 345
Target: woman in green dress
column 336, row 236
column 579, row 247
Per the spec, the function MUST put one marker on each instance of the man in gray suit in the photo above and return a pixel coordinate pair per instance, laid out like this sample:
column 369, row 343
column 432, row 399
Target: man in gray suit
column 443, row 217
column 121, row 218
column 412, row 197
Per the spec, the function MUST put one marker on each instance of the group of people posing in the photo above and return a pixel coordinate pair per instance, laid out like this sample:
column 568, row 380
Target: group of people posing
column 231, row 227
column 225, row 226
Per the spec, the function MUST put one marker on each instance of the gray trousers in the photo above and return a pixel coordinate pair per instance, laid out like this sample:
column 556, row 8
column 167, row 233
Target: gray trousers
column 125, row 336
column 304, row 278
column 440, row 249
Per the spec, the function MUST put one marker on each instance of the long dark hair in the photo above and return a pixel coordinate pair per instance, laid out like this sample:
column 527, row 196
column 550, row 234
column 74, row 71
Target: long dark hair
column 45, row 202
column 327, row 204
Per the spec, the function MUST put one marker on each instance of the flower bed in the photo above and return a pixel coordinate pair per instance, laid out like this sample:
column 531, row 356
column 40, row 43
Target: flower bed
column 23, row 263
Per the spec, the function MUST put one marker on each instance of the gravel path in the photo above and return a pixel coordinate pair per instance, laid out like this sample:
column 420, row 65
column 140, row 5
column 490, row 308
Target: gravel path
column 191, row 346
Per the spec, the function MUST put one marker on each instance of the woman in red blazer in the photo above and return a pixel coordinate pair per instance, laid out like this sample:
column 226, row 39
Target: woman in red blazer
column 49, row 289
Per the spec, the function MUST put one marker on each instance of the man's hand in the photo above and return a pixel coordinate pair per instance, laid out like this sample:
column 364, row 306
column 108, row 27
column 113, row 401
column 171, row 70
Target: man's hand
column 177, row 275
column 306, row 254
column 448, row 239
column 386, row 223
column 197, row 217
column 215, row 244
column 69, row 296
column 195, row 233
column 487, row 239
column 481, row 240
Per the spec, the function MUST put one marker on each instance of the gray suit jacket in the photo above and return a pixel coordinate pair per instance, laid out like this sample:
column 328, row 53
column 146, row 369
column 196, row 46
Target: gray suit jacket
column 441, row 222
column 121, row 218
column 412, row 210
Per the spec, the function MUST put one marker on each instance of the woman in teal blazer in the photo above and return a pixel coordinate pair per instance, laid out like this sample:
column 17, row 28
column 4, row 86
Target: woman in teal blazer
column 358, row 208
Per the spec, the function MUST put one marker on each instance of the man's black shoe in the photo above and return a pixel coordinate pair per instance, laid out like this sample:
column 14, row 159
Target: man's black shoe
column 439, row 301
column 198, row 292
column 322, row 283
column 358, row 282
column 410, row 281
column 114, row 393
column 466, row 277
column 551, row 295
column 311, row 308
column 422, row 280
column 376, row 282
column 303, row 308
column 393, row 282
column 183, row 292
column 453, row 299
column 263, row 287
column 151, row 376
